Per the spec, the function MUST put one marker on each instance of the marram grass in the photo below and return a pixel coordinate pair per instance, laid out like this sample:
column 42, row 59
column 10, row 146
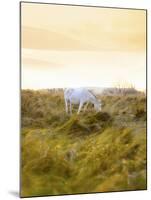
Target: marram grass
column 90, row 152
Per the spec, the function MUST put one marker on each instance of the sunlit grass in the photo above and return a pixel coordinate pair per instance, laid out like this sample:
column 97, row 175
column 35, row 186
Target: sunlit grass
column 90, row 152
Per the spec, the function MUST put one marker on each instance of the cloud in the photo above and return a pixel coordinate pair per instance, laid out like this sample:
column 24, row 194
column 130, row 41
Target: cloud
column 82, row 28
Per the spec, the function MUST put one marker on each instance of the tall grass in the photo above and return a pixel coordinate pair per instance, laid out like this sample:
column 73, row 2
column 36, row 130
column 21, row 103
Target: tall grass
column 90, row 152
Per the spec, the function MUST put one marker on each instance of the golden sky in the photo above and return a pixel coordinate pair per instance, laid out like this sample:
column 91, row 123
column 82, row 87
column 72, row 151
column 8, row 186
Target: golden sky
column 82, row 28
column 60, row 39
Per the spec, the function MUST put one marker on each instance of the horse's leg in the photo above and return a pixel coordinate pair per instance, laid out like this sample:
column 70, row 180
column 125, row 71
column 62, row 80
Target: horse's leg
column 70, row 108
column 66, row 104
column 80, row 106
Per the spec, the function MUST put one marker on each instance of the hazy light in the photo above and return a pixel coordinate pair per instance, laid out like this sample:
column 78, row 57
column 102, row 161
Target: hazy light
column 69, row 46
column 82, row 69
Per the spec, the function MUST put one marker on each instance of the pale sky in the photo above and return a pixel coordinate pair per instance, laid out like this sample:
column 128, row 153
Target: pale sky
column 72, row 46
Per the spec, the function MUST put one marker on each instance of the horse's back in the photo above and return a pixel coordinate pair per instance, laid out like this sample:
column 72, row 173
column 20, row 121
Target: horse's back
column 78, row 95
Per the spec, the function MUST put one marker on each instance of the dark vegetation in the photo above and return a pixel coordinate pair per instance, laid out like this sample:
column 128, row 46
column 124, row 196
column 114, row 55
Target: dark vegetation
column 90, row 152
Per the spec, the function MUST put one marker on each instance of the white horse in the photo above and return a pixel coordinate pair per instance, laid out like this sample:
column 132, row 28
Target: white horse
column 80, row 96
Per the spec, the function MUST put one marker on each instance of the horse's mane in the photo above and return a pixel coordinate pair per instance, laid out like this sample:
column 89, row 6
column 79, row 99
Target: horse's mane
column 92, row 93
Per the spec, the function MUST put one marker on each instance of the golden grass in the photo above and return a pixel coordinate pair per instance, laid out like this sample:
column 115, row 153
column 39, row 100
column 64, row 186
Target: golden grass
column 90, row 152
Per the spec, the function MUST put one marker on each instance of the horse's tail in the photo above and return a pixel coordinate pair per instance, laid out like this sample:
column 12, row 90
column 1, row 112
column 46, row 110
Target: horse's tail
column 68, row 91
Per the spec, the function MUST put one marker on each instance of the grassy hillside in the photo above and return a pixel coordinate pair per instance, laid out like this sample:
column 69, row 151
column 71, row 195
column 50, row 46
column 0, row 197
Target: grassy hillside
column 90, row 152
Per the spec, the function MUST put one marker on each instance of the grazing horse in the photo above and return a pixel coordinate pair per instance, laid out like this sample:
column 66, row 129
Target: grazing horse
column 80, row 96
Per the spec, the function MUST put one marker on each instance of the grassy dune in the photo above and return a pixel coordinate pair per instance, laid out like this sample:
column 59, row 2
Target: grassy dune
column 90, row 152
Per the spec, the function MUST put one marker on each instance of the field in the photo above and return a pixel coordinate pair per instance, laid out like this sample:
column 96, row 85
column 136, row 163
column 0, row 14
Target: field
column 89, row 152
